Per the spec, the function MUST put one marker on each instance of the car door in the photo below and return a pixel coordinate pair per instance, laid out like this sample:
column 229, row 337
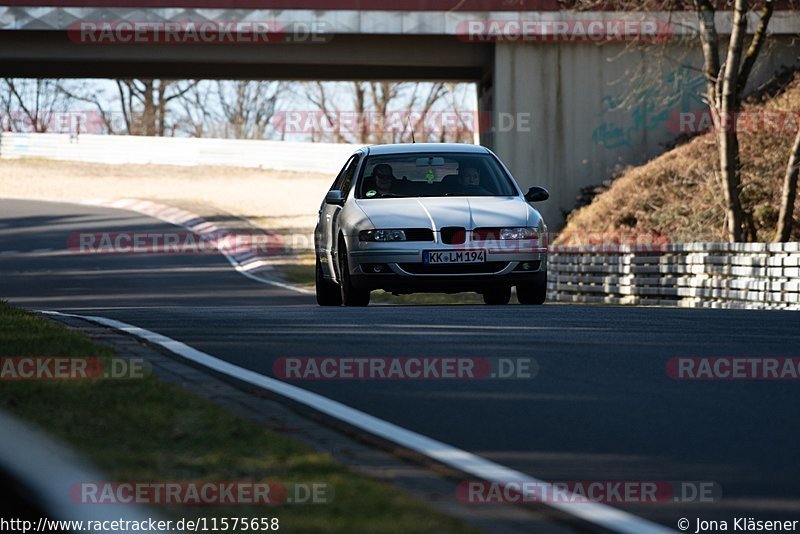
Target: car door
column 329, row 214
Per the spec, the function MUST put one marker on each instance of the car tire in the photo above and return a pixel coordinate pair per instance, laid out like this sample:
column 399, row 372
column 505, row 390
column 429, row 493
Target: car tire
column 351, row 296
column 497, row 296
column 535, row 291
column 328, row 293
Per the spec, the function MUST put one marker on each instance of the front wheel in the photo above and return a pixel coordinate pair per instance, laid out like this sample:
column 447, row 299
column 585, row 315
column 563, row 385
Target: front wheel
column 535, row 291
column 327, row 292
column 351, row 295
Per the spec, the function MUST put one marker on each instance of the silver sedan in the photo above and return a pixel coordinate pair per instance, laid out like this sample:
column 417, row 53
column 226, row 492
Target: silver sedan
column 429, row 218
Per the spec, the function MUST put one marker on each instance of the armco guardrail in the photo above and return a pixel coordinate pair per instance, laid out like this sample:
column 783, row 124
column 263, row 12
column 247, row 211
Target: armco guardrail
column 707, row 275
column 120, row 149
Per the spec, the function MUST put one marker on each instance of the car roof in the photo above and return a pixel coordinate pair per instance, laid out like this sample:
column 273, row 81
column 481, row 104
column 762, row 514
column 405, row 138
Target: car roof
column 416, row 148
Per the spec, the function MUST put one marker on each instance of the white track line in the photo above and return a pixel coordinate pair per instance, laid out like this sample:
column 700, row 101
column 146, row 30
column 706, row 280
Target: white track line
column 159, row 211
column 596, row 513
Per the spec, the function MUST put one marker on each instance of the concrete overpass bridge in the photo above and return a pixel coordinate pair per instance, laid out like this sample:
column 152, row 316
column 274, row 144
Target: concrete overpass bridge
column 566, row 107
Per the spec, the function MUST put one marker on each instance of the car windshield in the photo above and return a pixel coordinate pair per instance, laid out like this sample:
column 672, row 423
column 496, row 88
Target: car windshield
column 433, row 175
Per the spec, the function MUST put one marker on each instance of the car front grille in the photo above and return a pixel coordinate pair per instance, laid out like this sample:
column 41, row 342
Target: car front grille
column 454, row 235
column 466, row 268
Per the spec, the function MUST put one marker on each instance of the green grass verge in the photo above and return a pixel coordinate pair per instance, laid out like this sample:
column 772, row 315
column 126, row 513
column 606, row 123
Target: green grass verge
column 146, row 430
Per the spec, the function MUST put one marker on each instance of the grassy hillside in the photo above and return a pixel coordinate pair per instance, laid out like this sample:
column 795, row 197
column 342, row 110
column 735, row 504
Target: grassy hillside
column 679, row 195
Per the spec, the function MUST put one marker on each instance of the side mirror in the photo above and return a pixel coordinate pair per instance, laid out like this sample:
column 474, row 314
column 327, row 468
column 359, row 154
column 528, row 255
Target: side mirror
column 334, row 197
column 537, row 194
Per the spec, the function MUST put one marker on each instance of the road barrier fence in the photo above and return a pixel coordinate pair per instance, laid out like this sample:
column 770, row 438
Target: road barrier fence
column 325, row 158
column 700, row 275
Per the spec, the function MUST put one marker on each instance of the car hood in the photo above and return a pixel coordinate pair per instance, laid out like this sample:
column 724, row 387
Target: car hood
column 438, row 212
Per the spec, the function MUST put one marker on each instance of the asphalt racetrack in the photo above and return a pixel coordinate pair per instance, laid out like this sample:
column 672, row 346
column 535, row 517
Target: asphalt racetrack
column 600, row 404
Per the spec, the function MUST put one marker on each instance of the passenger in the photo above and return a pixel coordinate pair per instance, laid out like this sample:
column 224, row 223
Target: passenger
column 470, row 180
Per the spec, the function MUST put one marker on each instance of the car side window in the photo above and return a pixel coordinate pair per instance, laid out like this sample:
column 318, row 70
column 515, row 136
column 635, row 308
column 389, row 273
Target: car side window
column 337, row 183
column 349, row 175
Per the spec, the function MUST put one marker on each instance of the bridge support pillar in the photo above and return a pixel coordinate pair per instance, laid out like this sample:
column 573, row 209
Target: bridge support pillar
column 568, row 115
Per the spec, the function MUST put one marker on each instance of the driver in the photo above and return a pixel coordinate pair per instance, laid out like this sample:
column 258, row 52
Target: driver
column 384, row 178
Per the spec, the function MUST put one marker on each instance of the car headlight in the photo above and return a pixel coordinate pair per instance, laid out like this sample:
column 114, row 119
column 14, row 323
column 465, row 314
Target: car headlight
column 382, row 235
column 518, row 233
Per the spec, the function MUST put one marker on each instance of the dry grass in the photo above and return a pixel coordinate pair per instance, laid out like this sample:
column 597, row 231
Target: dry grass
column 679, row 196
column 271, row 198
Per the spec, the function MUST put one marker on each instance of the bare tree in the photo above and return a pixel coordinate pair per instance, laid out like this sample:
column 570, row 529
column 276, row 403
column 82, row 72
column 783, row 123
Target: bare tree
column 144, row 104
column 248, row 107
column 138, row 106
column 349, row 126
column 467, row 124
column 786, row 217
column 382, row 96
column 383, row 112
column 725, row 85
column 230, row 109
column 726, row 80
column 429, row 110
column 423, row 100
column 196, row 110
column 94, row 96
column 31, row 105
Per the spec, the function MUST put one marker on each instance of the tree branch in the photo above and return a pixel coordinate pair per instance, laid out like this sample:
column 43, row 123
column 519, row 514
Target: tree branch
column 759, row 38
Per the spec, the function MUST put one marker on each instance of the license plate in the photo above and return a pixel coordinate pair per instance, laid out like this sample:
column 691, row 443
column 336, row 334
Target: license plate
column 431, row 257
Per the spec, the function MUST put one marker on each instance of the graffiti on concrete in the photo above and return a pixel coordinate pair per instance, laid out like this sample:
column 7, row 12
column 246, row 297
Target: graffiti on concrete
column 628, row 118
